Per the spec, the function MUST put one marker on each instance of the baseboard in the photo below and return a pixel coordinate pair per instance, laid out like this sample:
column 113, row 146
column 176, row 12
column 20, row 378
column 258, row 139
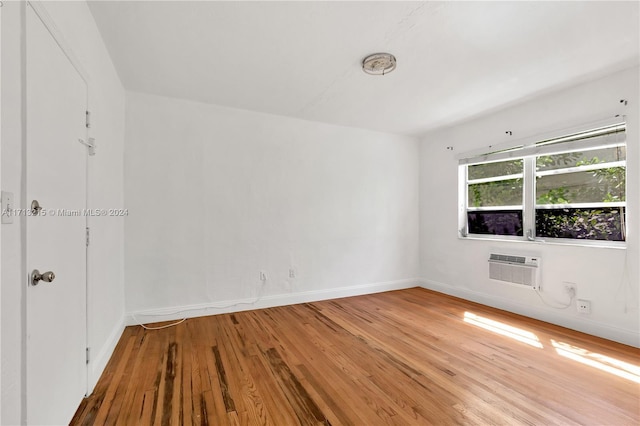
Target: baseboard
column 98, row 363
column 173, row 313
column 584, row 325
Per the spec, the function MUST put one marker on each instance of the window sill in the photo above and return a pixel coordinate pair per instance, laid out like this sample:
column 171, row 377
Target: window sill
column 616, row 245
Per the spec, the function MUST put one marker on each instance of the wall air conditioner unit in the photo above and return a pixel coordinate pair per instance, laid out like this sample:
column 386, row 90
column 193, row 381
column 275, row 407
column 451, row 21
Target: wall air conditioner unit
column 519, row 270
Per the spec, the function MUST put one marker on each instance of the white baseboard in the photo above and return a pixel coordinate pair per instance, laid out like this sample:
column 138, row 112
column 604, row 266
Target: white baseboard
column 172, row 313
column 98, row 362
column 584, row 325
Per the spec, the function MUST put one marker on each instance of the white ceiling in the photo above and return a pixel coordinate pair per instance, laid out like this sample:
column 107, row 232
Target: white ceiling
column 302, row 59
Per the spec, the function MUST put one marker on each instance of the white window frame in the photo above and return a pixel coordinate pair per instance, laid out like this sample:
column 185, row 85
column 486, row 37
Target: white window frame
column 596, row 137
column 465, row 194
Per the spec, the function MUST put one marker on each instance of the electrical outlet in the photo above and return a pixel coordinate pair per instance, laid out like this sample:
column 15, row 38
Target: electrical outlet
column 583, row 306
column 292, row 273
column 263, row 276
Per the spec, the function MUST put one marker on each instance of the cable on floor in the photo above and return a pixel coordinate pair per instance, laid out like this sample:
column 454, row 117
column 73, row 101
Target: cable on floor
column 251, row 303
column 157, row 328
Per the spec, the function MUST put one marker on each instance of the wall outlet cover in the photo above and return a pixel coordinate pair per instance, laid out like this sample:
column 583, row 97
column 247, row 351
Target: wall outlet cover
column 583, row 306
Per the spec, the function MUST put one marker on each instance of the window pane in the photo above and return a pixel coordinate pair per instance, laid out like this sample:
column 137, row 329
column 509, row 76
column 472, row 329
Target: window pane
column 596, row 186
column 586, row 224
column 498, row 193
column 502, row 168
column 580, row 158
column 579, row 194
column 503, row 222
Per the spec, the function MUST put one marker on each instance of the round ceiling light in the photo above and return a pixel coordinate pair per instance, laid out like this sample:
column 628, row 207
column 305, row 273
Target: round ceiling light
column 379, row 63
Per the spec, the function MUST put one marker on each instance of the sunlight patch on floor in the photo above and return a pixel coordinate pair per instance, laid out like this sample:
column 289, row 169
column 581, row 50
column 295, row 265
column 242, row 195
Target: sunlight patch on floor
column 599, row 361
column 516, row 333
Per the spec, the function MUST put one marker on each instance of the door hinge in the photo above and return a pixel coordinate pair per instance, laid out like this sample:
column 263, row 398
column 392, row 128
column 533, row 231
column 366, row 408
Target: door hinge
column 88, row 235
column 88, row 119
column 88, row 352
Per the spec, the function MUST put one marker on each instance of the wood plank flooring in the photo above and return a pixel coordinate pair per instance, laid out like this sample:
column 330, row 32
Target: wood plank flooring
column 408, row 357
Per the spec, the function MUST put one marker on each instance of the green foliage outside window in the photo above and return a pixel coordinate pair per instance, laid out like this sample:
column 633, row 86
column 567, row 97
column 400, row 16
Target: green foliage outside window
column 498, row 193
column 605, row 185
column 562, row 188
column 507, row 192
column 583, row 224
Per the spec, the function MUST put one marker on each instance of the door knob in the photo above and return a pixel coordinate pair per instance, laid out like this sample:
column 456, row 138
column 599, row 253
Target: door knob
column 36, row 277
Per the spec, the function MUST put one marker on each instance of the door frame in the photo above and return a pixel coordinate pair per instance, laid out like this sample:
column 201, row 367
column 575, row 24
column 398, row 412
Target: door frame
column 39, row 7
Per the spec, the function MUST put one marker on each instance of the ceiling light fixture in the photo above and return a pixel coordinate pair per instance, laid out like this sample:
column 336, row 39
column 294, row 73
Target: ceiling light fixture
column 379, row 63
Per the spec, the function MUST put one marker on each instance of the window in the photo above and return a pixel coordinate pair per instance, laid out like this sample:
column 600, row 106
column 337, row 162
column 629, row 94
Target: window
column 495, row 198
column 571, row 187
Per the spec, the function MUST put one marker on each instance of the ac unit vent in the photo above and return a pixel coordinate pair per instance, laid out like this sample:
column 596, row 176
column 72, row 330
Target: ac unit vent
column 518, row 270
column 506, row 258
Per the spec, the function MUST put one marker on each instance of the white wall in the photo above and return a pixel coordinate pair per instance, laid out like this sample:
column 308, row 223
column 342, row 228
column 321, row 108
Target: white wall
column 106, row 261
column 216, row 195
column 608, row 277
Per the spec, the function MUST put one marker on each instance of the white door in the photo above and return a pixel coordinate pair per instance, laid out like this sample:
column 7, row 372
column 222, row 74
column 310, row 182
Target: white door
column 56, row 99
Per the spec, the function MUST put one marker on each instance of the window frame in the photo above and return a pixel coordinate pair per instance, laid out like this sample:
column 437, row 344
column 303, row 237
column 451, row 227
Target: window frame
column 517, row 207
column 529, row 151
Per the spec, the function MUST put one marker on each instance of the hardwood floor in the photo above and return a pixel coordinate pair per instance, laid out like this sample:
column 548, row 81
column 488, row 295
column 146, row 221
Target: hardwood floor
column 408, row 357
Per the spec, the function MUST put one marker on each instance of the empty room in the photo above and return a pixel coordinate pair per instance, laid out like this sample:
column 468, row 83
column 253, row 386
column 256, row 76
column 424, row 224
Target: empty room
column 320, row 212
